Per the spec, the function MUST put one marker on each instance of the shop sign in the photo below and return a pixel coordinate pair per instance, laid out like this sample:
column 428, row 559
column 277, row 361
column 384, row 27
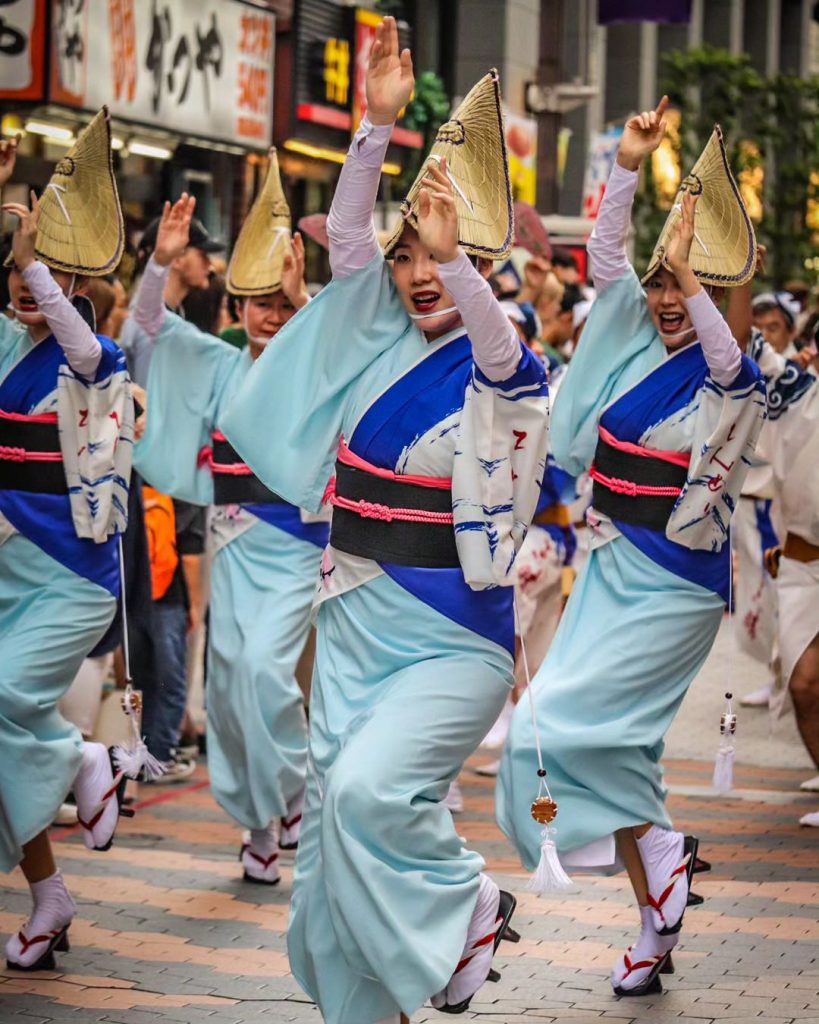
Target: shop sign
column 333, row 47
column 602, row 153
column 521, row 149
column 22, row 49
column 200, row 67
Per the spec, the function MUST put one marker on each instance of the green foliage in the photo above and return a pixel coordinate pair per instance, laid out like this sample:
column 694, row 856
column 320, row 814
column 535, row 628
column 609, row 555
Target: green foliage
column 426, row 112
column 777, row 115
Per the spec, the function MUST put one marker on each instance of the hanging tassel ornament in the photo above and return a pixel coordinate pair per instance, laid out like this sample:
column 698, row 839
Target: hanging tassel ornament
column 549, row 877
column 134, row 758
column 723, row 781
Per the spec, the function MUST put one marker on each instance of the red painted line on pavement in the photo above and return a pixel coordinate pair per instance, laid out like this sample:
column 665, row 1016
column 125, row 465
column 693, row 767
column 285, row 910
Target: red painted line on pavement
column 161, row 798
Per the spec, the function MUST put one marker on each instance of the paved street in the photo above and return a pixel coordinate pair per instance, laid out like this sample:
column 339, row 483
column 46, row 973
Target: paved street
column 167, row 931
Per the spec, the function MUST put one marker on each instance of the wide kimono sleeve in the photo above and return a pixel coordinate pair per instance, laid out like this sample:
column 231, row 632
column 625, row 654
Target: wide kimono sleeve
column 726, row 427
column 498, row 469
column 286, row 418
column 618, row 346
column 188, row 373
column 95, row 417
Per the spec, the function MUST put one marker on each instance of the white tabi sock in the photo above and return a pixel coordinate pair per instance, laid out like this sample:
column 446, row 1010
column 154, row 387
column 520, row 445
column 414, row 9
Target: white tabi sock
column 291, row 822
column 476, row 959
column 260, row 854
column 95, row 792
column 661, row 852
column 50, row 917
column 639, row 960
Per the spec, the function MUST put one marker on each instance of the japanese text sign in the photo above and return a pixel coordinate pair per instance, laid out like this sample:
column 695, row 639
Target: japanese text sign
column 22, row 43
column 202, row 67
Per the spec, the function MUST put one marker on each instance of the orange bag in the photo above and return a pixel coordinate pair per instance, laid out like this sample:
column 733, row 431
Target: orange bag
column 160, row 526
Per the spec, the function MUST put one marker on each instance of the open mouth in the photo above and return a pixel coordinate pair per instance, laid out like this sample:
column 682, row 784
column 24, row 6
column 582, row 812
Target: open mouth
column 670, row 323
column 425, row 302
column 26, row 304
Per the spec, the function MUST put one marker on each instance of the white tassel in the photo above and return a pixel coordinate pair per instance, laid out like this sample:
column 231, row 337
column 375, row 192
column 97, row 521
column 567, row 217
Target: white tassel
column 723, row 781
column 137, row 762
column 134, row 759
column 549, row 877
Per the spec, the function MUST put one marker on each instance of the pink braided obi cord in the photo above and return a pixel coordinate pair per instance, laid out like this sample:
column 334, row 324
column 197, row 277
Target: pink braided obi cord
column 619, row 486
column 12, row 453
column 387, row 513
column 205, row 458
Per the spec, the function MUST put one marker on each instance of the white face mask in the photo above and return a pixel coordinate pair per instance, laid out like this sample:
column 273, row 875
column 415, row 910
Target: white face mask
column 434, row 313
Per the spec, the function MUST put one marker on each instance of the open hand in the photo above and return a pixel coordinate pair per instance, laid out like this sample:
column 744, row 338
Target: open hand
column 390, row 80
column 8, row 157
column 679, row 246
column 174, row 229
column 23, row 244
column 437, row 214
column 642, row 134
column 293, row 284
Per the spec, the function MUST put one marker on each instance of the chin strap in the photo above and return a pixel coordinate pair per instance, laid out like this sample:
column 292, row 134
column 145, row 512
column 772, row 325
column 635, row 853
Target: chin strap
column 434, row 313
column 677, row 334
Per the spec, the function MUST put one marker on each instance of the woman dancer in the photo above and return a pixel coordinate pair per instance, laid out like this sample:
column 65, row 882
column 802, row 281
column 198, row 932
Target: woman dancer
column 442, row 416
column 662, row 405
column 66, row 419
column 267, row 555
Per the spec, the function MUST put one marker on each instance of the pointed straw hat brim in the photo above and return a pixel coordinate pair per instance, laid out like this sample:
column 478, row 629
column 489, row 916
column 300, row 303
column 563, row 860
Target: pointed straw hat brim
column 80, row 229
column 723, row 252
column 257, row 262
column 475, row 149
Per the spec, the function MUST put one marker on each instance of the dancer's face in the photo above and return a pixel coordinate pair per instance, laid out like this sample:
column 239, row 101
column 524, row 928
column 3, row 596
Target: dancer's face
column 415, row 273
column 25, row 308
column 666, row 305
column 263, row 316
column 775, row 328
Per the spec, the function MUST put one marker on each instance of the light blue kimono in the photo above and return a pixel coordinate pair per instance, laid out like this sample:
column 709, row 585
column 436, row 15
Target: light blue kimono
column 646, row 607
column 262, row 580
column 412, row 664
column 58, row 596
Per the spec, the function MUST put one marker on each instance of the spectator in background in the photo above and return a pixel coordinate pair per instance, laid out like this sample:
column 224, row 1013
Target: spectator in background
column 565, row 266
column 119, row 313
column 207, row 308
column 558, row 332
column 102, row 297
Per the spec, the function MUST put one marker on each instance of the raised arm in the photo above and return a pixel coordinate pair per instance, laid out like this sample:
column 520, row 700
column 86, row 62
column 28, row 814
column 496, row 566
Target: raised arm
column 74, row 336
column 390, row 82
column 171, row 241
column 721, row 351
column 642, row 134
column 495, row 344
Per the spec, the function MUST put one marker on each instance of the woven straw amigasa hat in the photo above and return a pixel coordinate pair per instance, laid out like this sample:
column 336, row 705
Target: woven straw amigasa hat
column 723, row 251
column 472, row 142
column 258, row 257
column 80, row 228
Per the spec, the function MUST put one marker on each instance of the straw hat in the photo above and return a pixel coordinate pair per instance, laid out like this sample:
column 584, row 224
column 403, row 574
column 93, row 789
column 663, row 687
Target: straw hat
column 257, row 262
column 472, row 142
column 80, row 229
column 723, row 252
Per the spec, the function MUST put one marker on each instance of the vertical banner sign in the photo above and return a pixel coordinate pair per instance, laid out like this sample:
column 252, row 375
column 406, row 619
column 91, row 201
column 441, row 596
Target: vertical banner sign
column 22, row 49
column 602, row 153
column 366, row 23
column 202, row 67
column 521, row 148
